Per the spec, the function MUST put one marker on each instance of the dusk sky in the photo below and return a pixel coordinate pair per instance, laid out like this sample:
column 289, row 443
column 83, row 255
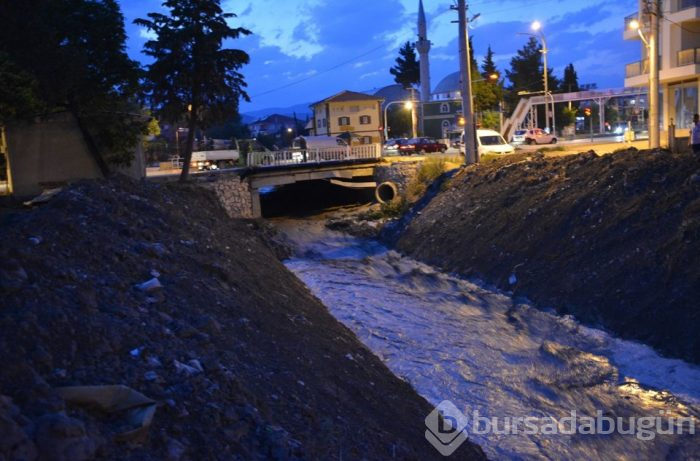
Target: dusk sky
column 305, row 50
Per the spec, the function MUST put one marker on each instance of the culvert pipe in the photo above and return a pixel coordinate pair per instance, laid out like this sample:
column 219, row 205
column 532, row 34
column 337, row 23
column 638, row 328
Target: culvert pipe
column 386, row 192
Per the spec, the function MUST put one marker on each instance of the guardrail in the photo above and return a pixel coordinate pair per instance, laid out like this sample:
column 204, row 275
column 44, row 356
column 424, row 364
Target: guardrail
column 313, row 155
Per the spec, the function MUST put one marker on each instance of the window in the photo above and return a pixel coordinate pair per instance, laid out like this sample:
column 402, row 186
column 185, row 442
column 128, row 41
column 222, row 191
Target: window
column 343, row 121
column 366, row 140
column 354, row 108
column 685, row 100
column 444, row 108
column 365, row 120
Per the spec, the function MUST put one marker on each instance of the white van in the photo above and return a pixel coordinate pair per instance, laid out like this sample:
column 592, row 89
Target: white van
column 491, row 142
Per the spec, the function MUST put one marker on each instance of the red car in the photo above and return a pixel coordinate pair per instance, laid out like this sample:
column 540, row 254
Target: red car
column 421, row 146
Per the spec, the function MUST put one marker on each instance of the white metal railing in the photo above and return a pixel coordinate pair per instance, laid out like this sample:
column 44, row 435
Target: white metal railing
column 313, row 155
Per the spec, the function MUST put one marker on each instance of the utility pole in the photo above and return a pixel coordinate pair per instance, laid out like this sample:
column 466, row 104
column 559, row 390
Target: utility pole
column 654, row 11
column 471, row 153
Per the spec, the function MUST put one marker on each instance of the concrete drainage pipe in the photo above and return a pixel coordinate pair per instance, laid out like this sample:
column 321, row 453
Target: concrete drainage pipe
column 386, row 192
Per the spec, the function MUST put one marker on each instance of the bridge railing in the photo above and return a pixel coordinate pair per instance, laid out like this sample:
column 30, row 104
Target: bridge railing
column 313, row 155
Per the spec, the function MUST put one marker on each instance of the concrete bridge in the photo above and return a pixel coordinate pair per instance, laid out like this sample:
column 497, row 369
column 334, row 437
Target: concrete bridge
column 238, row 189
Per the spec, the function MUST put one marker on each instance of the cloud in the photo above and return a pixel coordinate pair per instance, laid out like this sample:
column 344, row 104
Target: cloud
column 357, row 65
column 147, row 34
column 296, row 76
column 368, row 74
column 288, row 26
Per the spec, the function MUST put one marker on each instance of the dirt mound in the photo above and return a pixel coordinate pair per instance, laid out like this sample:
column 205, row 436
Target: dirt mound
column 153, row 288
column 613, row 239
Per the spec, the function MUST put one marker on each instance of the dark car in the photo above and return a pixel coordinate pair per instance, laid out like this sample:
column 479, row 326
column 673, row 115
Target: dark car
column 422, row 146
column 391, row 147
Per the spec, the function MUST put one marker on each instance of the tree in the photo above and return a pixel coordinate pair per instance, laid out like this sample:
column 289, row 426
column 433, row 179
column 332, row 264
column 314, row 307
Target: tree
column 488, row 66
column 570, row 82
column 406, row 72
column 193, row 76
column 74, row 55
column 526, row 72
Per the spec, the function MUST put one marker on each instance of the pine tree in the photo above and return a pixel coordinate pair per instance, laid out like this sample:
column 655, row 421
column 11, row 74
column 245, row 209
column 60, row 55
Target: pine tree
column 488, row 66
column 193, row 76
column 570, row 82
column 406, row 72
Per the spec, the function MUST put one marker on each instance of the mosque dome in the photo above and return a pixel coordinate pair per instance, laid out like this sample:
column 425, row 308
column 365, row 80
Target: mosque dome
column 449, row 86
column 395, row 92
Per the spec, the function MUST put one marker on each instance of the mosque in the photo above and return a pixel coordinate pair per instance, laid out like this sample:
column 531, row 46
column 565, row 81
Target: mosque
column 441, row 106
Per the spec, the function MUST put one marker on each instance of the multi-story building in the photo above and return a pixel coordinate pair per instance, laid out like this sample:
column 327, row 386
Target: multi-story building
column 358, row 114
column 679, row 60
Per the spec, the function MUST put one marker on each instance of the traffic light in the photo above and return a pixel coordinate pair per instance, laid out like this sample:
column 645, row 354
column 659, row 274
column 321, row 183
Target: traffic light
column 587, row 111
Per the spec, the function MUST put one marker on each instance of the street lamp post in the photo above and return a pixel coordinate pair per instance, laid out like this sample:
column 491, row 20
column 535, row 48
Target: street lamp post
column 652, row 46
column 537, row 27
column 406, row 105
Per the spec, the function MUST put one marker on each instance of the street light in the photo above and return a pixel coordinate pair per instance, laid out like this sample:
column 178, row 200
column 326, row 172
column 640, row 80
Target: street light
column 406, row 105
column 537, row 27
column 651, row 44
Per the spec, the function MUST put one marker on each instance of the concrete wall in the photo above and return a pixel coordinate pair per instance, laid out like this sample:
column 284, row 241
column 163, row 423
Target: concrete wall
column 48, row 153
column 52, row 152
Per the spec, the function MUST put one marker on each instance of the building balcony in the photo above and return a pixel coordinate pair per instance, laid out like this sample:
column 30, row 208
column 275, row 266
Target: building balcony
column 686, row 57
column 680, row 5
column 636, row 69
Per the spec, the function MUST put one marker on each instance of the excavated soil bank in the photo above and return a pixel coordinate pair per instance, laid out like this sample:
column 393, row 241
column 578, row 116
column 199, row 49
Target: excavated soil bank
column 613, row 239
column 154, row 288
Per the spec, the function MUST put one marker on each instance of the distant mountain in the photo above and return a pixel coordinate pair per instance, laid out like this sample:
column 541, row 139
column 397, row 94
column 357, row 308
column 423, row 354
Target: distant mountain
column 301, row 110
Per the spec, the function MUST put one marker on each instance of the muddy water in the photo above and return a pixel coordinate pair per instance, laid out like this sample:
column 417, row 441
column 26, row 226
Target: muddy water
column 459, row 341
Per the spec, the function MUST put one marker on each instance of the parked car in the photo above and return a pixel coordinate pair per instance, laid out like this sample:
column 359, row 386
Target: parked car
column 491, row 142
column 538, row 136
column 422, row 145
column 391, row 146
column 519, row 137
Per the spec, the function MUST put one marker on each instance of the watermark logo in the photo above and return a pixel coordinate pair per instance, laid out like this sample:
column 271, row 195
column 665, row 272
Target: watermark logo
column 447, row 425
column 447, row 428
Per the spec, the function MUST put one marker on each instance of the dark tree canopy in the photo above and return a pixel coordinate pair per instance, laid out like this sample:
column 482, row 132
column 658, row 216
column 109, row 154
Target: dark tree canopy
column 570, row 82
column 406, row 72
column 488, row 66
column 71, row 55
column 193, row 76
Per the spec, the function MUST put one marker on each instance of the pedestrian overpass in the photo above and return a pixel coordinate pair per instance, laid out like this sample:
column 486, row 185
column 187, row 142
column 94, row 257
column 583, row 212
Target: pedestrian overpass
column 525, row 113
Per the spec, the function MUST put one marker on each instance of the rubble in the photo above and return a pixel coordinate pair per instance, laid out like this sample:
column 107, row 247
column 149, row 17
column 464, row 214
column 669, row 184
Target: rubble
column 224, row 308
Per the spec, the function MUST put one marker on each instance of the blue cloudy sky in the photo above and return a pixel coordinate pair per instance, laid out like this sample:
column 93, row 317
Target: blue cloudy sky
column 305, row 50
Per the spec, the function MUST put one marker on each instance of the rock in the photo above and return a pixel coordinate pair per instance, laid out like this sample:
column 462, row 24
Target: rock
column 61, row 438
column 14, row 442
column 12, row 275
column 175, row 450
column 149, row 286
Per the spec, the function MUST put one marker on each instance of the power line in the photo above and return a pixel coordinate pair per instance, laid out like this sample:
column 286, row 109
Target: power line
column 296, row 82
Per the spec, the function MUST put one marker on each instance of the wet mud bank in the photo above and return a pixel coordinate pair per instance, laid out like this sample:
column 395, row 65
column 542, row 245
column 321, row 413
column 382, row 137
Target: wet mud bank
column 614, row 239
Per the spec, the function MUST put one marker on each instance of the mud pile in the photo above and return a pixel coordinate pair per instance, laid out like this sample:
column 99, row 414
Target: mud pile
column 613, row 239
column 152, row 288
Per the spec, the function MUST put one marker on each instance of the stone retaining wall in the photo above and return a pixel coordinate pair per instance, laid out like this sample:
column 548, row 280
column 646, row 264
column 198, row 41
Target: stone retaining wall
column 233, row 192
column 399, row 173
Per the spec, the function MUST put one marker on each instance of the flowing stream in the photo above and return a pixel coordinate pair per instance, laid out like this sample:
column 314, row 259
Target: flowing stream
column 456, row 340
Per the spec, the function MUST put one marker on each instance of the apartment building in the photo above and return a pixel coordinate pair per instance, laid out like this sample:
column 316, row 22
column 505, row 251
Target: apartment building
column 679, row 60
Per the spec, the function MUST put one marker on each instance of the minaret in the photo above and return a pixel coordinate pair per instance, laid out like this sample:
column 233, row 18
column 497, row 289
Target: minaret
column 423, row 47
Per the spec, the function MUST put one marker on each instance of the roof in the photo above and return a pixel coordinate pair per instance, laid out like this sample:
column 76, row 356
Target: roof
column 449, row 84
column 274, row 118
column 347, row 96
column 396, row 92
